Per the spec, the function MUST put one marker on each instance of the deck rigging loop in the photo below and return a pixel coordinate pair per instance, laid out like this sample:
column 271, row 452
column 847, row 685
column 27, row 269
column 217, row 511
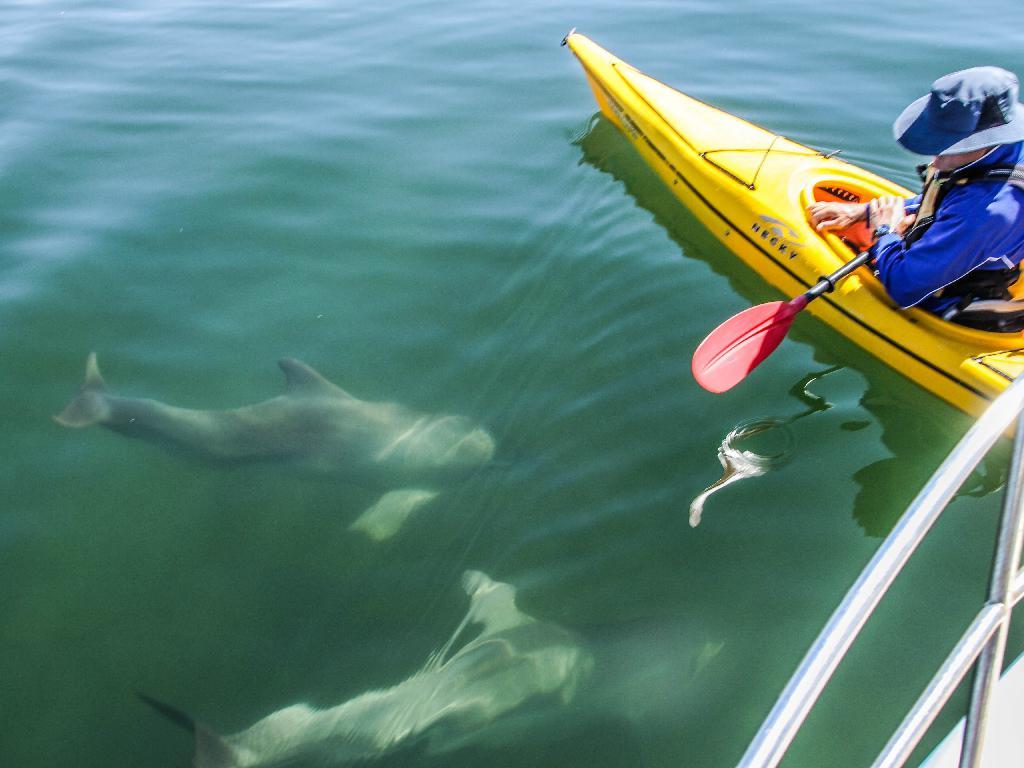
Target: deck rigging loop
column 707, row 155
column 753, row 183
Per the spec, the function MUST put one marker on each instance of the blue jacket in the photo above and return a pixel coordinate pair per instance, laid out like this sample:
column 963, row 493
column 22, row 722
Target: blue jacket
column 977, row 226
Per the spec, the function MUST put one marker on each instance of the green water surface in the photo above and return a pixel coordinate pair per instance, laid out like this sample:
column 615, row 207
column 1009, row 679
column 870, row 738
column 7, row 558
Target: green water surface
column 416, row 199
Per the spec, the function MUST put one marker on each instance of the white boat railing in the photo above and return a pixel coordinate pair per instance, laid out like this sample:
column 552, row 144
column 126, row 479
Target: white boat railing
column 983, row 642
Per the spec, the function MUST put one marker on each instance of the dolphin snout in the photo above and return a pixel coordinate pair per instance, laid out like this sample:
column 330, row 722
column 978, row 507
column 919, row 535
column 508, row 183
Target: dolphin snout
column 477, row 447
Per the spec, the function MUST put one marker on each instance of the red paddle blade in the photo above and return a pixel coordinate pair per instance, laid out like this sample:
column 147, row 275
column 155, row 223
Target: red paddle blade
column 738, row 345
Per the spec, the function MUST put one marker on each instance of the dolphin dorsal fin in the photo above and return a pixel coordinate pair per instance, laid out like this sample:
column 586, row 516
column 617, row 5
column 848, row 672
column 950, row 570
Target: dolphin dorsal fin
column 492, row 603
column 301, row 378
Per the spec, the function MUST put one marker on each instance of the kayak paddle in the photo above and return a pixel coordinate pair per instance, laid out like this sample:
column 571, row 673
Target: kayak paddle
column 738, row 345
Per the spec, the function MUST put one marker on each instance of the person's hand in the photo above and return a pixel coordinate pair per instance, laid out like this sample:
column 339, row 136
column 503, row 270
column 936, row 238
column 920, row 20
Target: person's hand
column 905, row 224
column 887, row 211
column 835, row 215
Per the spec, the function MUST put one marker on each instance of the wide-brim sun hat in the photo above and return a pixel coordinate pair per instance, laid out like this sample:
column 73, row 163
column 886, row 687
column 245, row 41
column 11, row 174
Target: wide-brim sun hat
column 966, row 110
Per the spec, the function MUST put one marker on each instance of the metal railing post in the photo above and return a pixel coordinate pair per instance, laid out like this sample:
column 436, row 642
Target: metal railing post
column 781, row 724
column 942, row 686
column 1004, row 573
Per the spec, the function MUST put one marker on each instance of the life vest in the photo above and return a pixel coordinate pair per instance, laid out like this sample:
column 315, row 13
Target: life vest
column 978, row 285
column 937, row 185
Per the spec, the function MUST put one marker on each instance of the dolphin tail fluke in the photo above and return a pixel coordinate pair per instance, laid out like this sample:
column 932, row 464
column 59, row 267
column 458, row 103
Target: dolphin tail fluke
column 173, row 714
column 211, row 750
column 90, row 405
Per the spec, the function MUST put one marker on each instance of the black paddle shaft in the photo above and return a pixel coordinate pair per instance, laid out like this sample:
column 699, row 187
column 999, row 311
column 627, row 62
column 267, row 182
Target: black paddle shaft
column 827, row 284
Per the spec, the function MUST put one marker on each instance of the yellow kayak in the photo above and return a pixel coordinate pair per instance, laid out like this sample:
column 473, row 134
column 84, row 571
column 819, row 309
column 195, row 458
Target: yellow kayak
column 751, row 188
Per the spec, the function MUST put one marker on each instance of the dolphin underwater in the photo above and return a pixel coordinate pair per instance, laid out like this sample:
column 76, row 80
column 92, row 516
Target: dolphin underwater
column 515, row 662
column 315, row 425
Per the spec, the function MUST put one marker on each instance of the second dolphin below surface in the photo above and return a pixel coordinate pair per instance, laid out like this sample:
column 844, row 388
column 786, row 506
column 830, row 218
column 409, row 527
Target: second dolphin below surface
column 503, row 680
column 515, row 660
column 315, row 425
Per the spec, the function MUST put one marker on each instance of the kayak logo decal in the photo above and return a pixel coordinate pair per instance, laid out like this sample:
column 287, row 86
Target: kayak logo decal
column 778, row 235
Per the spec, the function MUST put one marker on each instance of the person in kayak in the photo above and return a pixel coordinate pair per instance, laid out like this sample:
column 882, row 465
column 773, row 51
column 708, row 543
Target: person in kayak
column 954, row 249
